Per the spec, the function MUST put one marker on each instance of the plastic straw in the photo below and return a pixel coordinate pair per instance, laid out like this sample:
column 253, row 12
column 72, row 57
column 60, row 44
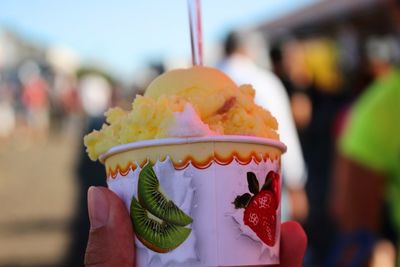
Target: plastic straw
column 196, row 36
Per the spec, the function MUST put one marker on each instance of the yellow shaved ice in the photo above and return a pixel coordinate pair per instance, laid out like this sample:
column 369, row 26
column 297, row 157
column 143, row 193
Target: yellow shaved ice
column 226, row 108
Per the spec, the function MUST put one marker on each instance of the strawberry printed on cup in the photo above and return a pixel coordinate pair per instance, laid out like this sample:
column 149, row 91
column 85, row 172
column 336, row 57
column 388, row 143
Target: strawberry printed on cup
column 260, row 209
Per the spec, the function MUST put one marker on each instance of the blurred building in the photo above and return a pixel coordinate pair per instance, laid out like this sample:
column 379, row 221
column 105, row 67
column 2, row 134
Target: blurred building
column 326, row 17
column 14, row 49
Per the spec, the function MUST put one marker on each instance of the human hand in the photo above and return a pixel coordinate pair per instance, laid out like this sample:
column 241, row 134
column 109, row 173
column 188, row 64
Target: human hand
column 111, row 239
column 111, row 236
column 298, row 203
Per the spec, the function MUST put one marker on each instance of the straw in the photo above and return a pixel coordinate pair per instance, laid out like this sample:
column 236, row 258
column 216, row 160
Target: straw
column 196, row 37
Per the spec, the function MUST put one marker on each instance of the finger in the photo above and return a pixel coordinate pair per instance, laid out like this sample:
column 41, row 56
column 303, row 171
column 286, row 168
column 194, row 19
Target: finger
column 111, row 241
column 293, row 245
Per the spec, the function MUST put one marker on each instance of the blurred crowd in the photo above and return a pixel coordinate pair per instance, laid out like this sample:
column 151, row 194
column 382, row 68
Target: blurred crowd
column 335, row 89
column 36, row 99
column 344, row 89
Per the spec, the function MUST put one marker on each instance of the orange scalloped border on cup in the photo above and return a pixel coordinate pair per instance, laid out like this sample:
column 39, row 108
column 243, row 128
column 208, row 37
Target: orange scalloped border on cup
column 221, row 150
column 180, row 165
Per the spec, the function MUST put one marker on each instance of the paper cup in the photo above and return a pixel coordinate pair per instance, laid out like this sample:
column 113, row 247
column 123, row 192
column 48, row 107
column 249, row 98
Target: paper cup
column 210, row 201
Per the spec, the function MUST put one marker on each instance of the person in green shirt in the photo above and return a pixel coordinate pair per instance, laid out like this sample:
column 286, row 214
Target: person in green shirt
column 368, row 164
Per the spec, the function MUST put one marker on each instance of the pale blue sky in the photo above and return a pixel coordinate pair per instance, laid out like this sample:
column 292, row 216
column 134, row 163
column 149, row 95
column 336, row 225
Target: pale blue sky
column 125, row 34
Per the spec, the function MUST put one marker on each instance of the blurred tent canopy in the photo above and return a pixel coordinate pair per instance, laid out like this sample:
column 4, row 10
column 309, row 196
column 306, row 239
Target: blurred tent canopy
column 333, row 35
column 327, row 15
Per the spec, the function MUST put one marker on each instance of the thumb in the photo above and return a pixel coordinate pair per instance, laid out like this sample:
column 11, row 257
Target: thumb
column 111, row 241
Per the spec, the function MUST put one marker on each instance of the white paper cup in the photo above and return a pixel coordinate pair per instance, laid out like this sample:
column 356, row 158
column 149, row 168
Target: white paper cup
column 223, row 195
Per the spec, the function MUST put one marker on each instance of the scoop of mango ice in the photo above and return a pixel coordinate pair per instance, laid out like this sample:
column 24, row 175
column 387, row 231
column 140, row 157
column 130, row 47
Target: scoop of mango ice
column 226, row 108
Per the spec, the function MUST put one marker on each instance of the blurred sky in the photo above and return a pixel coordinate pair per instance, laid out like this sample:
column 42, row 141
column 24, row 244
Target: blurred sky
column 125, row 34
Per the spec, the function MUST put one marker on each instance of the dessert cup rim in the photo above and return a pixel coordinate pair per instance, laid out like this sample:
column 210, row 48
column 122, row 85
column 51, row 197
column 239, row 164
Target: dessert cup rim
column 188, row 140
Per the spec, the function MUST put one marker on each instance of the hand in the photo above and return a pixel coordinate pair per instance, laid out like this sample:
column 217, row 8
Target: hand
column 111, row 239
column 298, row 203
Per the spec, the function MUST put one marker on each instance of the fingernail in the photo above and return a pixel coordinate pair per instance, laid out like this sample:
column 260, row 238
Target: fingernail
column 98, row 207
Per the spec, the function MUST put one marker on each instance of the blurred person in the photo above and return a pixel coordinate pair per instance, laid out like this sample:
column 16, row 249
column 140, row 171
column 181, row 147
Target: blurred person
column 300, row 102
column 314, row 103
column 35, row 98
column 147, row 75
column 366, row 186
column 7, row 118
column 111, row 239
column 278, row 68
column 71, row 108
column 271, row 95
column 95, row 95
column 7, row 112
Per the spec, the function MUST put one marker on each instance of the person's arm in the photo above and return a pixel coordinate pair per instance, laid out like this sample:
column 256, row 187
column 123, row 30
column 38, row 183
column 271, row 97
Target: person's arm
column 293, row 164
column 368, row 153
column 357, row 195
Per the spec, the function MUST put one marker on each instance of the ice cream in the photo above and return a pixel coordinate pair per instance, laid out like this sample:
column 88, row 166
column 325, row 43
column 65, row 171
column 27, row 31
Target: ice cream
column 190, row 166
column 194, row 102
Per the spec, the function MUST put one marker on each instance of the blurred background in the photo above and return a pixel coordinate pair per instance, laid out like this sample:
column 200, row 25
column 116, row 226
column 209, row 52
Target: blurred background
column 63, row 64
